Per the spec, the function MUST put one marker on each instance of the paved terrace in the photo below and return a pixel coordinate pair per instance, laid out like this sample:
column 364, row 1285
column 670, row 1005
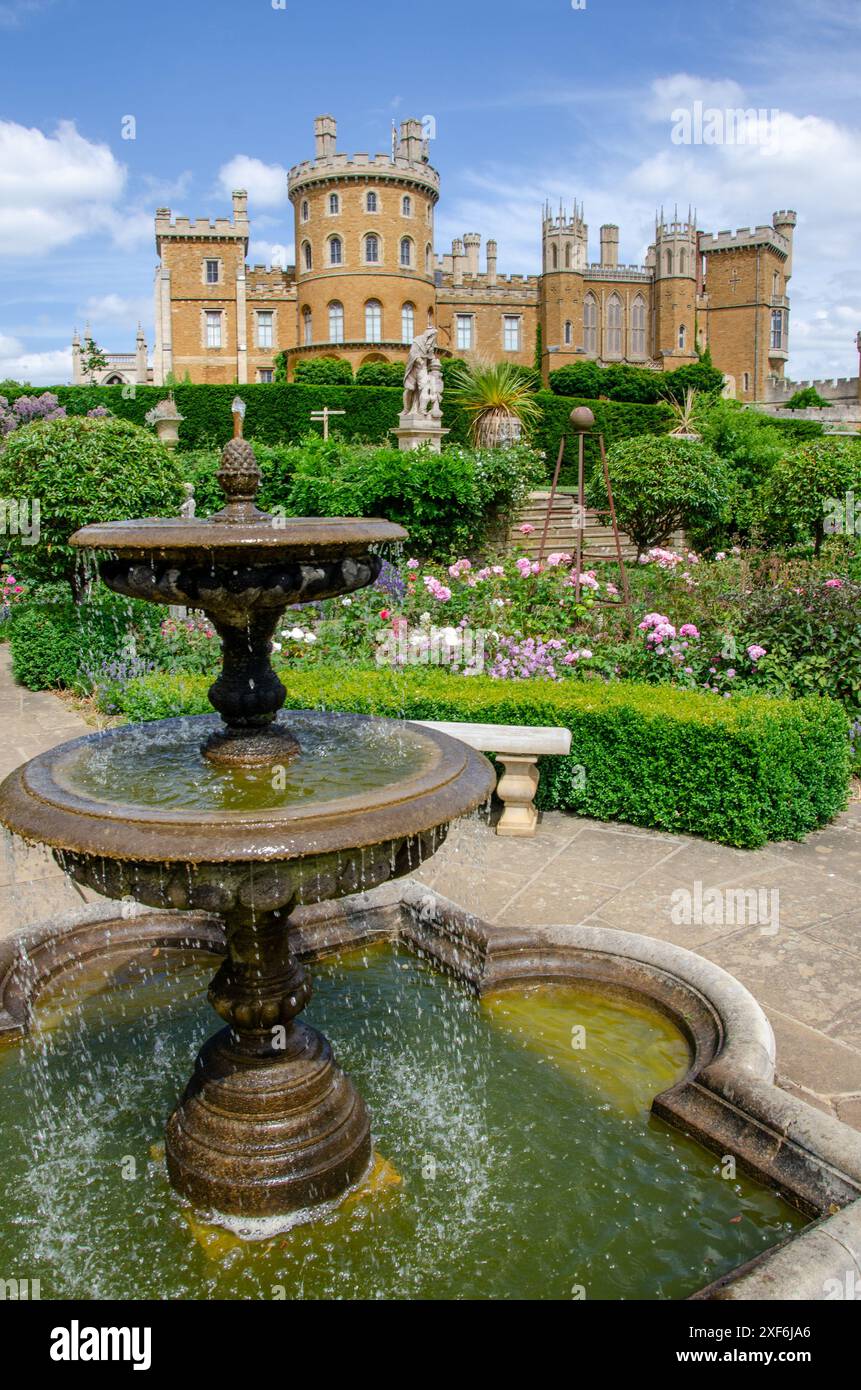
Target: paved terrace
column 806, row 975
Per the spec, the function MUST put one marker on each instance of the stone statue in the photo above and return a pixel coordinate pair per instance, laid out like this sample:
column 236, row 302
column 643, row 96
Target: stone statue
column 187, row 508
column 423, row 383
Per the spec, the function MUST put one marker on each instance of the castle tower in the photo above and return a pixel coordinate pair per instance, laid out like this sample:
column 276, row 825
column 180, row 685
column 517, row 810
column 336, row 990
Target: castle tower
column 745, row 306
column 564, row 257
column 140, row 357
column 364, row 247
column 673, row 258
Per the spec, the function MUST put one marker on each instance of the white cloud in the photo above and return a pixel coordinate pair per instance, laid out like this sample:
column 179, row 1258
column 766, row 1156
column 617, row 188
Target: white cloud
column 265, row 184
column 53, row 188
column 271, row 253
column 115, row 308
column 51, row 368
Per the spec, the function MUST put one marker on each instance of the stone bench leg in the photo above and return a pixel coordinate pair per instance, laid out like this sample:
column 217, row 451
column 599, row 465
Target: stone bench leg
column 516, row 788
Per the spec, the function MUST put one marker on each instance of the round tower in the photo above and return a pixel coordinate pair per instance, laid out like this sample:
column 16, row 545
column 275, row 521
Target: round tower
column 364, row 247
column 564, row 258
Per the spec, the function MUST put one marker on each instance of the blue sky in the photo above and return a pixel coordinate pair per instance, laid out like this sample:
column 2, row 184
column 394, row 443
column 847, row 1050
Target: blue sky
column 530, row 100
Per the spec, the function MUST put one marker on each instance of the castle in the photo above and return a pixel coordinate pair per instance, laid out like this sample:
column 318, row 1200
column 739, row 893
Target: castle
column 367, row 279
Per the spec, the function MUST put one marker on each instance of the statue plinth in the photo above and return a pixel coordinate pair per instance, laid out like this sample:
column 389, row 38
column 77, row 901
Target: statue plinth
column 415, row 430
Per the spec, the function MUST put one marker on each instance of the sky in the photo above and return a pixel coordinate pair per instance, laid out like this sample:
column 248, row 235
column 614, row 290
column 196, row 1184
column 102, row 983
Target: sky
column 529, row 101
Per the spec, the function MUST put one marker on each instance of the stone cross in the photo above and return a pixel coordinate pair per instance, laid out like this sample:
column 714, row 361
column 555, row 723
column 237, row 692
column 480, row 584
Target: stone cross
column 324, row 416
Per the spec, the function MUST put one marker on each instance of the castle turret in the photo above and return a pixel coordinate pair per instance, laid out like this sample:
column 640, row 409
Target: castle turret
column 784, row 223
column 472, row 247
column 564, row 240
column 609, row 245
column 674, row 260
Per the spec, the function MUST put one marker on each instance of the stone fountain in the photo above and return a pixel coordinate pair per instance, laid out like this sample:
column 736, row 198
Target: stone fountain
column 249, row 816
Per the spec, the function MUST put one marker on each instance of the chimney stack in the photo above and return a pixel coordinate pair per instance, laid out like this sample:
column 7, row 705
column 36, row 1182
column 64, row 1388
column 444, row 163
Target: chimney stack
column 457, row 260
column 325, row 135
column 609, row 245
column 491, row 262
column 472, row 243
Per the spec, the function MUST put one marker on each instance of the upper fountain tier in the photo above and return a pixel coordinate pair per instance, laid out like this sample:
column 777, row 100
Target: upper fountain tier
column 242, row 567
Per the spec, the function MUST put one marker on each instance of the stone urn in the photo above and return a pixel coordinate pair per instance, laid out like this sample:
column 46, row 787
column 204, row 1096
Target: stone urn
column 166, row 419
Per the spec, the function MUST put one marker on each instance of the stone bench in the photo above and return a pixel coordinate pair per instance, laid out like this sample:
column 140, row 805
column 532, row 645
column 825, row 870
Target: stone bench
column 517, row 747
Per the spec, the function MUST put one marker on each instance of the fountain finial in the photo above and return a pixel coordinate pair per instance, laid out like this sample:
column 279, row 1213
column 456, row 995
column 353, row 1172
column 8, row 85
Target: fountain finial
column 239, row 479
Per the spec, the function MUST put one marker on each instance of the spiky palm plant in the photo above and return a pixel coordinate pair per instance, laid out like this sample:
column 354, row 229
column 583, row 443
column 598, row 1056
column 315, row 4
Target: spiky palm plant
column 494, row 394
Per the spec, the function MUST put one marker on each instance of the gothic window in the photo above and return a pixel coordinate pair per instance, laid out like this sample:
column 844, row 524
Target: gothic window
column 370, row 202
column 554, row 256
column 334, row 204
column 683, row 334
column 307, row 332
column 213, row 329
column 464, row 332
column 335, row 251
column 511, row 332
column 683, row 261
column 212, row 272
column 638, row 328
column 406, row 251
column 590, row 325
column 567, row 255
column 408, row 322
column 428, row 259
column 406, row 206
column 306, row 212
column 336, row 321
column 775, row 285
column 614, row 326
column 307, row 259
column 668, row 262
column 373, row 321
column 568, row 334
column 372, row 248
column 264, row 328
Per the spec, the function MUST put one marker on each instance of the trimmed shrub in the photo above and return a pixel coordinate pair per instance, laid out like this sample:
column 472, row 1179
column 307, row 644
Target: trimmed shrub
column 63, row 644
column 805, row 488
column 323, row 371
column 660, row 485
column 741, row 771
column 381, row 374
column 639, row 385
column 83, row 470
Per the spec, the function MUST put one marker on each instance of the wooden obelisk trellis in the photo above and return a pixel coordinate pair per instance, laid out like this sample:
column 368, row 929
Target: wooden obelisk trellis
column 582, row 421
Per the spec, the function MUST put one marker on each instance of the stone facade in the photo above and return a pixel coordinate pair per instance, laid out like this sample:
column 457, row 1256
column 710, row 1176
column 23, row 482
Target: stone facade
column 121, row 369
column 368, row 279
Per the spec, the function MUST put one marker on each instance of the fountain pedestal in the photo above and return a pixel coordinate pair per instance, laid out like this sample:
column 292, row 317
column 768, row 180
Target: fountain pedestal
column 268, row 1123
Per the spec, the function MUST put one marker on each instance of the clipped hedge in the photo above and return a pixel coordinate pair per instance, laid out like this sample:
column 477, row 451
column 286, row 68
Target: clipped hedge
column 741, row 771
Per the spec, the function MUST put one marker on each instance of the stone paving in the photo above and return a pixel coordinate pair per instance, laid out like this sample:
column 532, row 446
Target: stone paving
column 806, row 974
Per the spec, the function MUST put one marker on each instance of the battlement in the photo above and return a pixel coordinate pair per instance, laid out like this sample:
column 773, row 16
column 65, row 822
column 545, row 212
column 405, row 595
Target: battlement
column 269, row 278
column 199, row 229
column 596, row 271
column 362, row 166
column 764, row 235
column 839, row 388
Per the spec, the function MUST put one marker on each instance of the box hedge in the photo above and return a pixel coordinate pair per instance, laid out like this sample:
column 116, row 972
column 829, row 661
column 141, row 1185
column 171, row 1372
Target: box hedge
column 742, row 771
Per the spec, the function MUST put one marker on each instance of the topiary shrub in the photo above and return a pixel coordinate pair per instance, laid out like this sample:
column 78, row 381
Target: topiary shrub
column 660, row 485
column 82, row 470
column 805, row 494
column 323, row 371
column 380, row 374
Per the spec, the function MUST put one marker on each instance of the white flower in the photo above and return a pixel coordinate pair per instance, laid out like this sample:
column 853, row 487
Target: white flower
column 346, row 602
column 310, row 637
column 297, row 633
column 276, row 646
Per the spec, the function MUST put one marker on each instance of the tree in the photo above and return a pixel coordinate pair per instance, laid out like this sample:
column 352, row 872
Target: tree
column 806, row 493
column 661, row 484
column 92, row 360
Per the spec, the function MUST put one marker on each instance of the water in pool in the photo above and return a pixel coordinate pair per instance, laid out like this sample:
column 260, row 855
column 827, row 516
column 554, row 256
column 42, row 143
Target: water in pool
column 518, row 1127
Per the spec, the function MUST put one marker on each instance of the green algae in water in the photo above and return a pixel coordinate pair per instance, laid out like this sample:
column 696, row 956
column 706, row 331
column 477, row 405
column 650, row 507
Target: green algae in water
column 524, row 1174
column 155, row 767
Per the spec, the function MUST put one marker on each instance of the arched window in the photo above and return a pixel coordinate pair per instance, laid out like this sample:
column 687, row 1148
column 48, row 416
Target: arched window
column 307, row 259
column 554, row 256
column 745, row 381
column 306, row 212
column 370, row 202
column 668, row 262
column 307, row 332
column 638, row 328
column 567, row 255
column 775, row 284
column 372, row 248
column 406, row 206
column 334, row 204
column 683, row 261
column 568, row 333
column 406, row 251
column 373, row 321
column 590, row 325
column 336, row 250
column 336, row 321
column 428, row 259
column 408, row 322
column 614, row 327
column 683, row 334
